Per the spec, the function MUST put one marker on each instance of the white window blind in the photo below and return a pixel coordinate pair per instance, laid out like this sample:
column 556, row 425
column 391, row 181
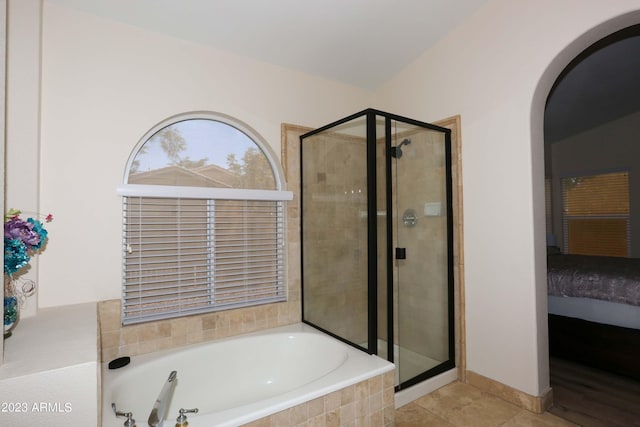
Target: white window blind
column 596, row 214
column 186, row 256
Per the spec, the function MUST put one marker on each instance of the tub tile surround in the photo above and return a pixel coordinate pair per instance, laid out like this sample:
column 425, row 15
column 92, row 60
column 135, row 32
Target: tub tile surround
column 367, row 403
column 132, row 340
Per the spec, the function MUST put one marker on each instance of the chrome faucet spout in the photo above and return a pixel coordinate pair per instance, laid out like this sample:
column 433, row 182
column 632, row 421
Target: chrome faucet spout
column 159, row 410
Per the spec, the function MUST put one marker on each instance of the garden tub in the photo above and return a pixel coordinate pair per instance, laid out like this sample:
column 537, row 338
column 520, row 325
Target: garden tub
column 237, row 380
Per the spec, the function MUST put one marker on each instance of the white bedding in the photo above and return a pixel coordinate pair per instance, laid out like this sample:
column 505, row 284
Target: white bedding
column 593, row 310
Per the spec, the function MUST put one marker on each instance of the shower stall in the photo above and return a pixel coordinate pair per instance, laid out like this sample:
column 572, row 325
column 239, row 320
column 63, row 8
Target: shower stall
column 377, row 252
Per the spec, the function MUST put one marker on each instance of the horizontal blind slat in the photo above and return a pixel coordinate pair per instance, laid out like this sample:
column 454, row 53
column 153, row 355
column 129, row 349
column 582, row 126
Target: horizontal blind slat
column 174, row 248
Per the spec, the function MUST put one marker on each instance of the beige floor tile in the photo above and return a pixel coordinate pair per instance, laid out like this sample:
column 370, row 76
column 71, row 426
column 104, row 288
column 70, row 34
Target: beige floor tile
column 486, row 412
column 413, row 415
column 528, row 419
column 464, row 405
column 450, row 397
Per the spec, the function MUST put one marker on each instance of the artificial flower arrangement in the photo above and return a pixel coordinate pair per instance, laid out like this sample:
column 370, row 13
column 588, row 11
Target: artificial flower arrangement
column 22, row 240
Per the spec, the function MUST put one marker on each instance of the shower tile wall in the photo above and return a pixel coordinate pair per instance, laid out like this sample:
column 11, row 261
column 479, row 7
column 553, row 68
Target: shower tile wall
column 336, row 179
column 335, row 227
column 422, row 300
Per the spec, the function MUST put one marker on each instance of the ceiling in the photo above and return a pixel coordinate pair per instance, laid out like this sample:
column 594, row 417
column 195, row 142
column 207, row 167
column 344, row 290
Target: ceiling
column 359, row 42
column 366, row 42
column 600, row 85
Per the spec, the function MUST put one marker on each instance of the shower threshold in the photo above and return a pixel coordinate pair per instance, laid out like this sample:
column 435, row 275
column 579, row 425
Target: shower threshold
column 409, row 362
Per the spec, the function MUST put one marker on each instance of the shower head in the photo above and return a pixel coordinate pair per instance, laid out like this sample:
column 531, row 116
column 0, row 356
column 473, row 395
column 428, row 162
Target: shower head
column 397, row 150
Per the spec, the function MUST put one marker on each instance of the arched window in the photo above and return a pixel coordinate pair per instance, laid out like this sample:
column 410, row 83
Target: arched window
column 203, row 220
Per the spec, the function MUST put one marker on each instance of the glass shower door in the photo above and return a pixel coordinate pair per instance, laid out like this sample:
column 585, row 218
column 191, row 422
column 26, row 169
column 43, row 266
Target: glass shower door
column 421, row 194
column 376, row 250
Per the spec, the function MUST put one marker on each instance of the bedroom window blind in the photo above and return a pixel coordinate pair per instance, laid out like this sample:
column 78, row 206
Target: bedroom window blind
column 596, row 214
column 203, row 220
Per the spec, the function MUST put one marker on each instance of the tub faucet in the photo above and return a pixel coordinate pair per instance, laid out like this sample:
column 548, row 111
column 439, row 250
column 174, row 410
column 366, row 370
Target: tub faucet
column 130, row 422
column 159, row 410
column 181, row 421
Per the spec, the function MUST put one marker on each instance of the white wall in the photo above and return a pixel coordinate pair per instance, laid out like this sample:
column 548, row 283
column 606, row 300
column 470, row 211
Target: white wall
column 3, row 64
column 105, row 84
column 22, row 117
column 607, row 148
column 496, row 70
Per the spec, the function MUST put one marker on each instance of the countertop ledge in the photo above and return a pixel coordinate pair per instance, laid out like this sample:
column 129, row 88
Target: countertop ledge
column 55, row 338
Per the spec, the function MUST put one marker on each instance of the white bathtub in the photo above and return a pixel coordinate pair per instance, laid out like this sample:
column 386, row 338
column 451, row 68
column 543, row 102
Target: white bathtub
column 240, row 379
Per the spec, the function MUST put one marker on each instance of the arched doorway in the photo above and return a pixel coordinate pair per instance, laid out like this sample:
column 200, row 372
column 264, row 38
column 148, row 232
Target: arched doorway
column 552, row 74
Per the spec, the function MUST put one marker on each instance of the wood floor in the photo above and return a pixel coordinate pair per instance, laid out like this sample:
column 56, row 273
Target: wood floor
column 593, row 398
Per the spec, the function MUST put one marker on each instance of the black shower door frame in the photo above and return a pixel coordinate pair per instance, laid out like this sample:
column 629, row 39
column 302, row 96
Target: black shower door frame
column 372, row 236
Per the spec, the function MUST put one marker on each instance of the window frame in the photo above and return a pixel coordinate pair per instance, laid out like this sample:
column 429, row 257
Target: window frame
column 566, row 218
column 279, row 195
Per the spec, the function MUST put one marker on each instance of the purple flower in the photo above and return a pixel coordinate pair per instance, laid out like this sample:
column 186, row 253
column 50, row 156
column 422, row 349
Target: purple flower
column 22, row 239
column 16, row 228
column 36, row 227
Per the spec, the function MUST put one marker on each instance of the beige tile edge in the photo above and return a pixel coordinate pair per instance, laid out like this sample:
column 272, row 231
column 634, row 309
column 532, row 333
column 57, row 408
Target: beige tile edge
column 535, row 404
column 454, row 123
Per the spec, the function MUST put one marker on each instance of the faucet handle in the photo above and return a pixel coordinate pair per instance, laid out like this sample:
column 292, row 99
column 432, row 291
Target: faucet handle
column 181, row 421
column 129, row 422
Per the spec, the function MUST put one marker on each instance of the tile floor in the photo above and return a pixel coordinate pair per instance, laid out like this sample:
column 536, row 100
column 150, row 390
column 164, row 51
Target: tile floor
column 462, row 405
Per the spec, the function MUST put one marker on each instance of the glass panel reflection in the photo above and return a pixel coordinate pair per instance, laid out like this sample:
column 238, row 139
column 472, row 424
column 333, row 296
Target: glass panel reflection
column 334, row 214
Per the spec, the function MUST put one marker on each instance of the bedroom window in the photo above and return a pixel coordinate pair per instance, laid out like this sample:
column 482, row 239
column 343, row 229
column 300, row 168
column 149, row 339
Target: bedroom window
column 596, row 214
column 203, row 220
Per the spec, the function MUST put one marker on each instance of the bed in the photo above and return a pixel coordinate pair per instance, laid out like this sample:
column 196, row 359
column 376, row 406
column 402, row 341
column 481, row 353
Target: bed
column 594, row 311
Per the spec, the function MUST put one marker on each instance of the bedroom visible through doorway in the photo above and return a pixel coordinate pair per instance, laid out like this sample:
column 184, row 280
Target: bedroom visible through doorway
column 593, row 251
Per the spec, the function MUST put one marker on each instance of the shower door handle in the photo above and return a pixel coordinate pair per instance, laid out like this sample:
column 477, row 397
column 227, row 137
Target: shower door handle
column 401, row 253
